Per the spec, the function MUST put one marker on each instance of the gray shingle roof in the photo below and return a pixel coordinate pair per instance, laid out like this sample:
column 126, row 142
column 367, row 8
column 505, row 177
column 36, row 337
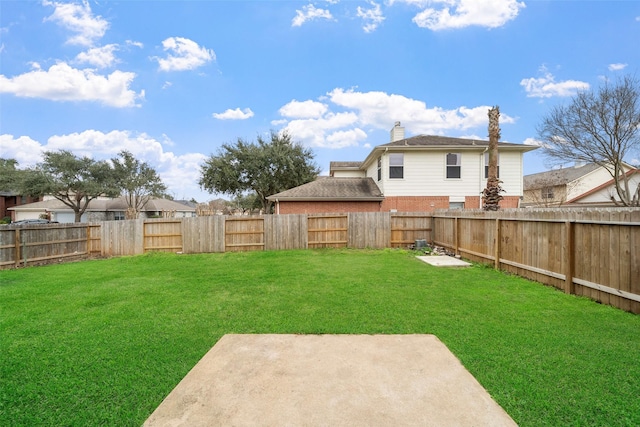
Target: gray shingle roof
column 330, row 188
column 445, row 141
column 557, row 176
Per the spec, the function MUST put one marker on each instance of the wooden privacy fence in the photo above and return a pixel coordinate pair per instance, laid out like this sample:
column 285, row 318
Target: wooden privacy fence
column 217, row 234
column 42, row 244
column 590, row 253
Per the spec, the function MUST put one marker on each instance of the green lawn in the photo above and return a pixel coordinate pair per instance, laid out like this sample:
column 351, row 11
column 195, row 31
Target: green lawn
column 103, row 342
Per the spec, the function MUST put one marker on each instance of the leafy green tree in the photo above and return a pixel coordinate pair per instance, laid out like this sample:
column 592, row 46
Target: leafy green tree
column 601, row 127
column 9, row 174
column 264, row 168
column 138, row 182
column 75, row 181
column 246, row 202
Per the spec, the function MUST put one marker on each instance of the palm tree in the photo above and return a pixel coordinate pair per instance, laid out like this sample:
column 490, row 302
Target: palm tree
column 491, row 195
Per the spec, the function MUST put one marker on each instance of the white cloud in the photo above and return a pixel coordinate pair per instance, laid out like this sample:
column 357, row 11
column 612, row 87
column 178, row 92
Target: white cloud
column 546, row 86
column 346, row 138
column 339, row 122
column 372, row 17
column 378, row 109
column 617, row 67
column 533, row 141
column 64, row 83
column 303, row 110
column 78, row 18
column 184, row 54
column 236, row 114
column 314, row 132
column 101, row 57
column 134, row 43
column 179, row 172
column 309, row 13
column 25, row 150
column 463, row 13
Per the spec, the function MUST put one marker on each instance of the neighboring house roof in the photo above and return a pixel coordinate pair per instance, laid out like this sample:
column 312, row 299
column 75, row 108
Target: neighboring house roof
column 332, row 189
column 564, row 176
column 556, row 177
column 104, row 205
column 186, row 203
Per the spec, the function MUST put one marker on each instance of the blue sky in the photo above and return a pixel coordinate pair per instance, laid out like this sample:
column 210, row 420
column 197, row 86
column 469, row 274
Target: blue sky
column 171, row 81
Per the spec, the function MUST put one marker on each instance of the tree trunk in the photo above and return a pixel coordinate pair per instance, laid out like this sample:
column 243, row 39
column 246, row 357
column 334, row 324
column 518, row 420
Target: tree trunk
column 491, row 195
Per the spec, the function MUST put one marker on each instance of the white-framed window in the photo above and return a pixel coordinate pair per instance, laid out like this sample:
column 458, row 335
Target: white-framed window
column 379, row 168
column 454, row 165
column 486, row 165
column 456, row 205
column 547, row 193
column 396, row 165
column 119, row 215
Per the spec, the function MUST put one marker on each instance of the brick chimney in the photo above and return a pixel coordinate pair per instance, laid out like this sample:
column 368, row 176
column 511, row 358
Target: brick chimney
column 397, row 133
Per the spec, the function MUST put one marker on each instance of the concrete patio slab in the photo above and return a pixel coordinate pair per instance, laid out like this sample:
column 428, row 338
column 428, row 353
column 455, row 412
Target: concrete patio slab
column 329, row 380
column 443, row 261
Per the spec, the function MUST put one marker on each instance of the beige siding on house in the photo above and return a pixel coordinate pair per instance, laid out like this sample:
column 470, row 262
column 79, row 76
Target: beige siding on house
column 348, row 174
column 588, row 182
column 604, row 194
column 425, row 175
column 510, row 173
column 372, row 172
column 538, row 196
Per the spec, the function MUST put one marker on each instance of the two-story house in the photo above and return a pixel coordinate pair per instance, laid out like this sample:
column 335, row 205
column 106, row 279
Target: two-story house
column 417, row 174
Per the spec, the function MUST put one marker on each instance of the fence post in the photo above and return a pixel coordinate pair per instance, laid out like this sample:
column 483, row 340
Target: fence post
column 89, row 241
column 17, row 242
column 456, row 232
column 496, row 252
column 569, row 254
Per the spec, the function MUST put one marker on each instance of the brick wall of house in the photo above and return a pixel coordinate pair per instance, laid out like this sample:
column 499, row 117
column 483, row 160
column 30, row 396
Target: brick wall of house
column 475, row 202
column 509, row 202
column 415, row 203
column 327, row 207
column 397, row 203
column 472, row 202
